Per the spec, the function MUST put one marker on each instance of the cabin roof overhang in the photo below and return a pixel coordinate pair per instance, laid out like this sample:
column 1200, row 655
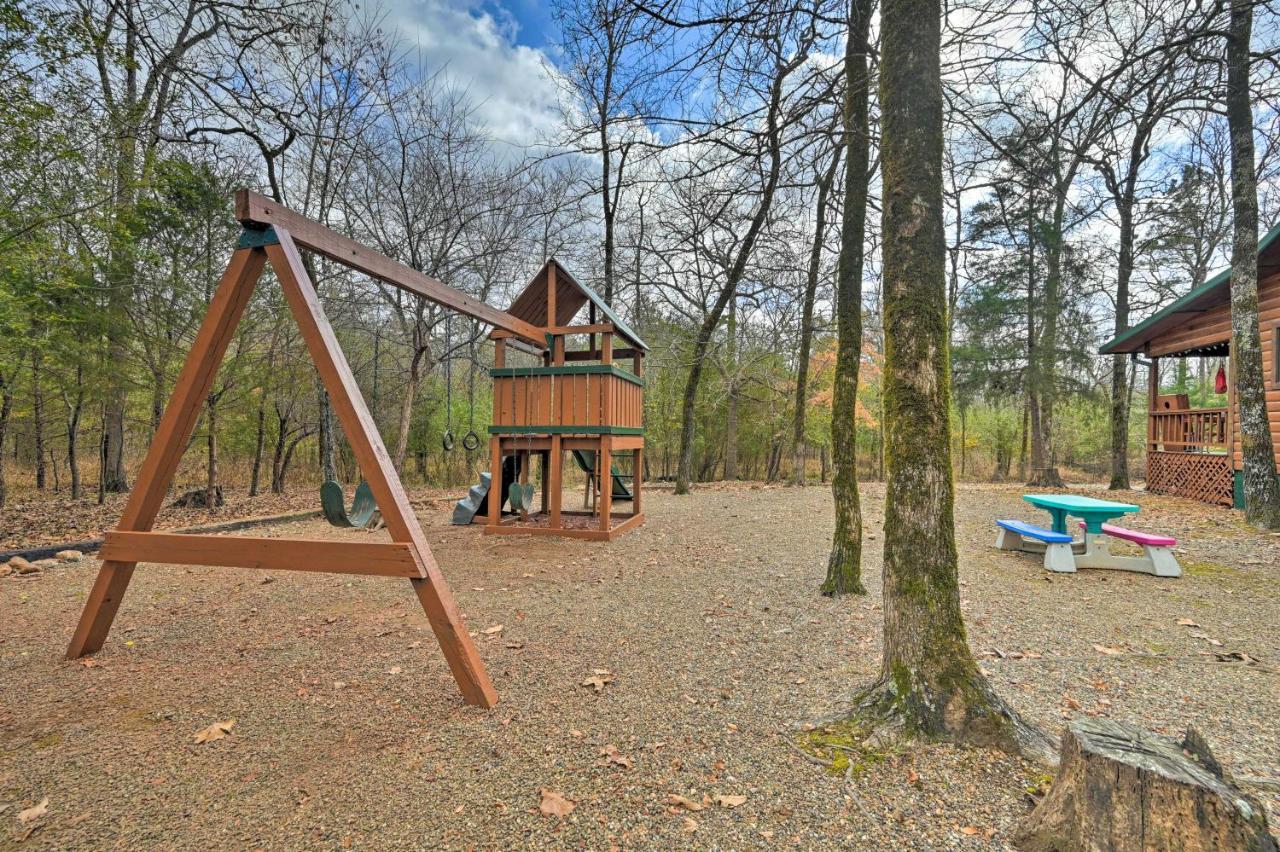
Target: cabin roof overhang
column 1212, row 293
column 531, row 305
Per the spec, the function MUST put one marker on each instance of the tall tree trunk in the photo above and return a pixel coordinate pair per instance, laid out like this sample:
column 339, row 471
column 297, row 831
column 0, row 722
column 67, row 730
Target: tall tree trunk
column 1261, row 487
column 825, row 180
column 773, row 142
column 37, row 409
column 1044, row 465
column 6, row 409
column 211, row 445
column 930, row 684
column 75, row 411
column 844, row 563
column 731, row 414
column 406, row 407
column 1119, row 369
column 259, row 445
column 328, row 442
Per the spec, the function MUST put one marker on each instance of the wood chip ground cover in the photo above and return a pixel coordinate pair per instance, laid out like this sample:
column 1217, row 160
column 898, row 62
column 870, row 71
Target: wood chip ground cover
column 713, row 646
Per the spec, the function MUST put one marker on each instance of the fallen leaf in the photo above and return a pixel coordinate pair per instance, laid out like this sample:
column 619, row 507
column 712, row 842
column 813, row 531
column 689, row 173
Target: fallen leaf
column 1186, row 622
column 492, row 631
column 598, row 680
column 554, row 804
column 394, row 670
column 216, row 731
column 34, row 812
column 514, row 644
column 1109, row 651
column 690, row 825
column 913, row 777
column 970, row 830
column 686, row 803
column 730, row 801
column 614, row 757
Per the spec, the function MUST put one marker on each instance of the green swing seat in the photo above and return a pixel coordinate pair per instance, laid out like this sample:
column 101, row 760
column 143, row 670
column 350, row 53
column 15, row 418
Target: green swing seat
column 334, row 504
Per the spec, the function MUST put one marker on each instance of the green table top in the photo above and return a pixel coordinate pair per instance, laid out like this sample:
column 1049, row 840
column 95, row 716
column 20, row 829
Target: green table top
column 1092, row 510
column 1074, row 503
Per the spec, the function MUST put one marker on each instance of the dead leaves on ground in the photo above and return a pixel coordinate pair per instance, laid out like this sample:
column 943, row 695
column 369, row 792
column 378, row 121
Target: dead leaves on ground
column 216, row 731
column 610, row 756
column 599, row 678
column 555, row 804
column 35, row 812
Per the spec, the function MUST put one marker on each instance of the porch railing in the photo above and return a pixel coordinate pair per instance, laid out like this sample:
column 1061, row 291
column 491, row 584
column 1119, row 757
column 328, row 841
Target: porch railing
column 1189, row 430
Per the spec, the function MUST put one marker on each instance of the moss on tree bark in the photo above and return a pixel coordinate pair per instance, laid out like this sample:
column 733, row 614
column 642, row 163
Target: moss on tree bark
column 844, row 565
column 930, row 685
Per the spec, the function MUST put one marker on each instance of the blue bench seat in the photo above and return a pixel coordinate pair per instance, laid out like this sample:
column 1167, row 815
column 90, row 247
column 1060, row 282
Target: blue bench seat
column 1029, row 531
column 1056, row 546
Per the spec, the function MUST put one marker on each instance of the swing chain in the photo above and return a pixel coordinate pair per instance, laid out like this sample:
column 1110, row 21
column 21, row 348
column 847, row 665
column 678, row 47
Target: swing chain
column 446, row 440
column 471, row 441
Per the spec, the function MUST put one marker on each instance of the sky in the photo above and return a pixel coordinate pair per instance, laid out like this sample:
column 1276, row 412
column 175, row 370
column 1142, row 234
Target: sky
column 502, row 52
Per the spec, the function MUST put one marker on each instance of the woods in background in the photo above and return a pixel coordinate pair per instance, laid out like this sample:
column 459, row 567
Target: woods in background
column 697, row 175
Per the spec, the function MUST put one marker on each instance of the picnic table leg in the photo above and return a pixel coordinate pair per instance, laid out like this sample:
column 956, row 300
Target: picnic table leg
column 1059, row 520
column 1059, row 559
column 1158, row 561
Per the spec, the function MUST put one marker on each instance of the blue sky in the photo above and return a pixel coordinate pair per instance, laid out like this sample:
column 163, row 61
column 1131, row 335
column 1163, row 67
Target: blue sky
column 535, row 26
column 500, row 51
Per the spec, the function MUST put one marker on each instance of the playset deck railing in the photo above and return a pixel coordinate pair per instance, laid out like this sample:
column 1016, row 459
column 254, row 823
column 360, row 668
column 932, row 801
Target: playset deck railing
column 586, row 399
column 1188, row 430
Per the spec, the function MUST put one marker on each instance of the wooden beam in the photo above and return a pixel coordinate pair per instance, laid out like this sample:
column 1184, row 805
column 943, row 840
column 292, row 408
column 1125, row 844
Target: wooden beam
column 380, row 559
column 258, row 211
column 594, row 355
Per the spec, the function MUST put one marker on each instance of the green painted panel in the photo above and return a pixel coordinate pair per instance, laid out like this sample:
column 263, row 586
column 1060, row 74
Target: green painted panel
column 568, row 370
column 565, row 430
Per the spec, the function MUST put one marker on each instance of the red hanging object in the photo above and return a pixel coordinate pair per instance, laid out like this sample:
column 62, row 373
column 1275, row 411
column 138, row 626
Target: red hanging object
column 1220, row 380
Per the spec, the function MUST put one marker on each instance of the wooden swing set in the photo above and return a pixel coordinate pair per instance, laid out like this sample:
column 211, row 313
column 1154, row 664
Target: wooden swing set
column 275, row 234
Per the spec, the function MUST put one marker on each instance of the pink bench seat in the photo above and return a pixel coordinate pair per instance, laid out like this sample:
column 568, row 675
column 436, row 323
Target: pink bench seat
column 1144, row 539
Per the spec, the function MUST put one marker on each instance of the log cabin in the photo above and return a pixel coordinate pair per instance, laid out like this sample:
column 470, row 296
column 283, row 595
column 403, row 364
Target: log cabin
column 1195, row 452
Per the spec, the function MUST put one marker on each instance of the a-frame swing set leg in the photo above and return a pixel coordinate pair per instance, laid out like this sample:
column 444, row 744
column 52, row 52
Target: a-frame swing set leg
column 179, row 419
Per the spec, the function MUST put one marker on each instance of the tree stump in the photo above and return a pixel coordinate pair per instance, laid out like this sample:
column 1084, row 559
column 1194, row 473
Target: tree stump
column 199, row 499
column 1120, row 787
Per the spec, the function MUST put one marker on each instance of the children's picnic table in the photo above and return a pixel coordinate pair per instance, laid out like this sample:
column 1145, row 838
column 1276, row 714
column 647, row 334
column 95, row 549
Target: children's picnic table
column 1095, row 550
column 1092, row 511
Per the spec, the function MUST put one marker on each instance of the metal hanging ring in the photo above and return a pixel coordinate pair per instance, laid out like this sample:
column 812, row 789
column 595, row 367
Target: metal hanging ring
column 446, row 440
column 471, row 441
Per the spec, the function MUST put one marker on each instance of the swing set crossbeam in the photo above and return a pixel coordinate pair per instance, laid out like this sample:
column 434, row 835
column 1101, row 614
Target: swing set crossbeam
column 258, row 212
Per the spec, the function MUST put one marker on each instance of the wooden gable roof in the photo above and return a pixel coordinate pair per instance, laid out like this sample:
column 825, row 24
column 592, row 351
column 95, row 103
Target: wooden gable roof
column 1209, row 295
column 531, row 305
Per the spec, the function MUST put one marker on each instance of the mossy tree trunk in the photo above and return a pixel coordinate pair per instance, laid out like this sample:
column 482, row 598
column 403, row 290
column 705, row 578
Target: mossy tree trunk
column 824, row 183
column 1261, row 489
column 844, row 565
column 930, row 684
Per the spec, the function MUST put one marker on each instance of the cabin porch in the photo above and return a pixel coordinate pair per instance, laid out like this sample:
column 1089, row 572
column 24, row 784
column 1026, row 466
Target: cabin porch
column 1189, row 449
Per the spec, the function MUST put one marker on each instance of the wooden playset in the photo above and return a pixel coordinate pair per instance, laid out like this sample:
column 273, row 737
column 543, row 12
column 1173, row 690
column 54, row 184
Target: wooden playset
column 564, row 408
column 579, row 401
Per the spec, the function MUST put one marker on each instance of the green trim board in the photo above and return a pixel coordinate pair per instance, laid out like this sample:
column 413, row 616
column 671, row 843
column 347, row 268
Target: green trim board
column 257, row 238
column 565, row 430
column 1237, row 489
column 1131, row 339
column 567, row 370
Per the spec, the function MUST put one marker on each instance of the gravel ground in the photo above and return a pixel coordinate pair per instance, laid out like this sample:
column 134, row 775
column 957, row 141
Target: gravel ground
column 349, row 733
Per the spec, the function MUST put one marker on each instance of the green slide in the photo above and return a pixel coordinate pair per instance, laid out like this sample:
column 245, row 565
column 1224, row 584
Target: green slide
column 586, row 460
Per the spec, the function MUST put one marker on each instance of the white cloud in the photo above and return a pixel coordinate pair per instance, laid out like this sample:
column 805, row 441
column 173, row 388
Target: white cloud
column 512, row 85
